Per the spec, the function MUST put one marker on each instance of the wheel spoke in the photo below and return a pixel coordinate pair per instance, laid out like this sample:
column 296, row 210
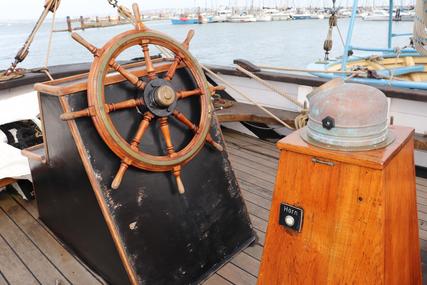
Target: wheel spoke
column 137, row 18
column 178, row 58
column 185, row 94
column 164, row 127
column 124, row 165
column 77, row 114
column 128, row 75
column 128, row 104
column 90, row 47
column 183, row 119
column 143, row 126
column 172, row 69
column 148, row 62
column 188, row 38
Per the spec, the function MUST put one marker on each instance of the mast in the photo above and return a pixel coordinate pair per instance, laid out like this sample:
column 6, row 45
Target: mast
column 390, row 23
column 349, row 36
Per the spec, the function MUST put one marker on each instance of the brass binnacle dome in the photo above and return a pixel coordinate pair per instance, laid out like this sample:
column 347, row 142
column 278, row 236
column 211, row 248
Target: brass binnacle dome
column 348, row 116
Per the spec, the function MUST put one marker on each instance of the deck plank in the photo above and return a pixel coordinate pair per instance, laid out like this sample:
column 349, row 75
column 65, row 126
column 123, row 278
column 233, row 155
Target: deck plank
column 255, row 251
column 12, row 268
column 257, row 211
column 236, row 275
column 33, row 257
column 3, row 280
column 421, row 181
column 217, row 280
column 247, row 263
column 66, row 263
column 255, row 189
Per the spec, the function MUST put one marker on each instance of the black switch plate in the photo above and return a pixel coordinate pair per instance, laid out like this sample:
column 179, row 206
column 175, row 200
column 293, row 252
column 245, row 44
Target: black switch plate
column 290, row 213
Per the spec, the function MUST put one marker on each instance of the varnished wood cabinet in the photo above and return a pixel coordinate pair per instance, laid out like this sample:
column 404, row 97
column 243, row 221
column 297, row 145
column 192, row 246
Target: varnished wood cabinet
column 359, row 217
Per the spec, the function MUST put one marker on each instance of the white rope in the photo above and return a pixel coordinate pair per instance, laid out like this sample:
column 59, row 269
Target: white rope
column 49, row 46
column 247, row 97
column 270, row 86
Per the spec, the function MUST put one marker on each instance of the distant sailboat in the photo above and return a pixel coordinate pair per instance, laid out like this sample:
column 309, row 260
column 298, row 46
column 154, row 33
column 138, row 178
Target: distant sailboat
column 221, row 16
column 242, row 18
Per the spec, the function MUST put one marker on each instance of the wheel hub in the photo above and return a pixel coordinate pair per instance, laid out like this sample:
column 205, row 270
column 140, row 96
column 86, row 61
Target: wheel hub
column 160, row 97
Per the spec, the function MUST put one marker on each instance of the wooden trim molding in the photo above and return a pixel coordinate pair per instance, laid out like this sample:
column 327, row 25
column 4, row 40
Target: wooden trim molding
column 30, row 153
column 6, row 181
column 99, row 196
column 77, row 83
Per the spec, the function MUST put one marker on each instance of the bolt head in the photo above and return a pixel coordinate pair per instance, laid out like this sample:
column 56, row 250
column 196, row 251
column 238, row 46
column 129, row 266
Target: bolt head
column 328, row 123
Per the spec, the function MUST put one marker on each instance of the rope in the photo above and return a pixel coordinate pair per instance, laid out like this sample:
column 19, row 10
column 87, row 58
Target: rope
column 49, row 47
column 301, row 120
column 268, row 85
column 341, row 37
column 51, row 6
column 280, row 121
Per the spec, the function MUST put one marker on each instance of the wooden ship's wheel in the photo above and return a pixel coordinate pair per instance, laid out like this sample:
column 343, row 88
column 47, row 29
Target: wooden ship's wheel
column 157, row 100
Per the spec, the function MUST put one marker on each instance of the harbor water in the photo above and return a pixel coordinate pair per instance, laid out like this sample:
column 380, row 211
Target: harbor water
column 283, row 43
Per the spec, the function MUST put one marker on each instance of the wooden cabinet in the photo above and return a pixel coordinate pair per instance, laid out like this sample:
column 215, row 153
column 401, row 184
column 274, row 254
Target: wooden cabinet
column 359, row 222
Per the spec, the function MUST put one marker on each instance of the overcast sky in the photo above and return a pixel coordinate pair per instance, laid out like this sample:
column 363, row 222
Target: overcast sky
column 31, row 9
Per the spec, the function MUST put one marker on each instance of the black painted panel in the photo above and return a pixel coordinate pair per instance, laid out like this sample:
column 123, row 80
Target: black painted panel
column 66, row 202
column 169, row 238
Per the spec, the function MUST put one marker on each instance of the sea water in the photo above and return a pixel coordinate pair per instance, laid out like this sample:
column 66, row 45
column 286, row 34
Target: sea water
column 283, row 43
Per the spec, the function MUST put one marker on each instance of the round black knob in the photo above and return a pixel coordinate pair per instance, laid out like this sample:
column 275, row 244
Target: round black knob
column 328, row 123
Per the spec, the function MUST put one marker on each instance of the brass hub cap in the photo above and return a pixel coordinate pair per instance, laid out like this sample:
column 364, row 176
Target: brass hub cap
column 164, row 96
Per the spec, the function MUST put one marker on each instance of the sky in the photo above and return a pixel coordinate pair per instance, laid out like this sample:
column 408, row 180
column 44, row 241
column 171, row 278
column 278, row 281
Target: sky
column 31, row 9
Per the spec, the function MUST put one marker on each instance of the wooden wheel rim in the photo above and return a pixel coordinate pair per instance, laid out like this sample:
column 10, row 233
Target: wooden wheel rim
column 102, row 120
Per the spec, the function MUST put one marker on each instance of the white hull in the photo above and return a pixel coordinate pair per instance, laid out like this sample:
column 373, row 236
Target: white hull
column 375, row 18
column 264, row 18
column 219, row 19
column 280, row 17
column 242, row 19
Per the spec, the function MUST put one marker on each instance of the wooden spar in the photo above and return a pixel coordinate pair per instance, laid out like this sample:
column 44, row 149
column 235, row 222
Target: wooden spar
column 307, row 70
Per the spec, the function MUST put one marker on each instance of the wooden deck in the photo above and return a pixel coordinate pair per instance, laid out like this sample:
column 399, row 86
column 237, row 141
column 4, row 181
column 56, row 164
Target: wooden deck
column 30, row 254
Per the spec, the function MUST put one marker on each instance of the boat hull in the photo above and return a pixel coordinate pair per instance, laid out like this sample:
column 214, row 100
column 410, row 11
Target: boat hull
column 184, row 21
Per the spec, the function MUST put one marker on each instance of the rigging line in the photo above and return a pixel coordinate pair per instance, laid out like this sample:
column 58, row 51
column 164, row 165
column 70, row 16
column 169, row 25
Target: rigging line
column 210, row 72
column 270, row 86
column 49, row 46
column 341, row 37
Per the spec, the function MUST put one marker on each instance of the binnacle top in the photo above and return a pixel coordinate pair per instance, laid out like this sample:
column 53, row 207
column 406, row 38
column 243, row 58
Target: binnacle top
column 348, row 116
